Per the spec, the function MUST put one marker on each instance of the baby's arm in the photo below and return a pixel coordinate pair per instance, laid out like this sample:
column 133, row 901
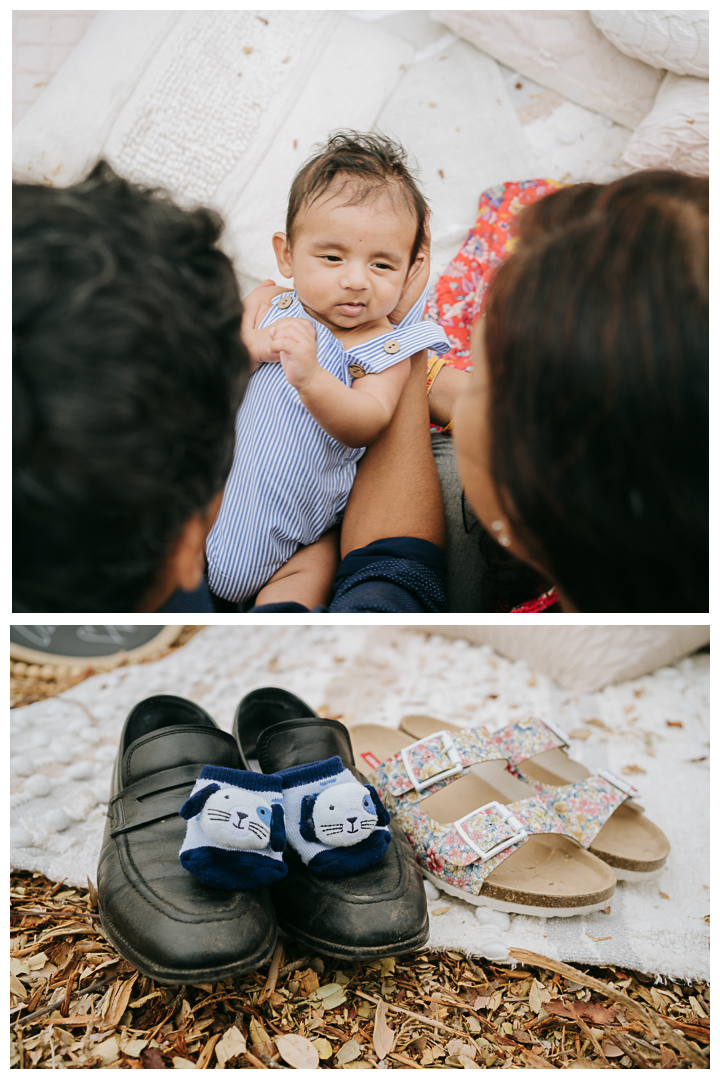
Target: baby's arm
column 355, row 415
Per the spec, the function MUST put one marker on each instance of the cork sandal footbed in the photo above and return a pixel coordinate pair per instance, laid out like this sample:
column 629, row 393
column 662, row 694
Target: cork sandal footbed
column 548, row 875
column 628, row 841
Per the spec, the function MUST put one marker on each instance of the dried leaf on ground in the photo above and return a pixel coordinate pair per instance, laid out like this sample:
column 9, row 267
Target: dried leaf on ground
column 231, row 1045
column 297, row 1051
column 348, row 1052
column 152, row 1059
column 589, row 1010
column 458, row 1047
column 383, row 1034
column 538, row 996
column 258, row 1034
column 323, row 1048
column 118, row 1001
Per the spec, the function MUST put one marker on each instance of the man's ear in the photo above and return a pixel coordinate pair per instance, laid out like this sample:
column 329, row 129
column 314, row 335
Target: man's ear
column 186, row 564
column 282, row 254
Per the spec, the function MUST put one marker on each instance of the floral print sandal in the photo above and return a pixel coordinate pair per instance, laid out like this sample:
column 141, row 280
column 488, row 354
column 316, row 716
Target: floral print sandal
column 598, row 809
column 501, row 848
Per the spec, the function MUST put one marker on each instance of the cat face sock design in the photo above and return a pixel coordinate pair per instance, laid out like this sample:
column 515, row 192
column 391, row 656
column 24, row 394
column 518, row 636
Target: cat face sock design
column 236, row 831
column 336, row 824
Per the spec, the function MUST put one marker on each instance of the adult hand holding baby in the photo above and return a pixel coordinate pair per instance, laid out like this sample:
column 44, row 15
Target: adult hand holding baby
column 416, row 281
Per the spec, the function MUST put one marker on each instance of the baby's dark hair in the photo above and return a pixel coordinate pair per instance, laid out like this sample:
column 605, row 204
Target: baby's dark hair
column 370, row 163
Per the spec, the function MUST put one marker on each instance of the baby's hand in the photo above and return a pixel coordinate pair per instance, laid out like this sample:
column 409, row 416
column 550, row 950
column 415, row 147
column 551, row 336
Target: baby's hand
column 293, row 340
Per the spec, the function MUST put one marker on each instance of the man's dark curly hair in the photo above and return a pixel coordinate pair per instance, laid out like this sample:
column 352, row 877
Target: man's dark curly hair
column 366, row 163
column 128, row 371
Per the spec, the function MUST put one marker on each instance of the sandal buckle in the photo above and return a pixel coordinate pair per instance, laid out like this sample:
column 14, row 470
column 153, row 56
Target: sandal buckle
column 508, row 818
column 557, row 731
column 617, row 782
column 451, row 751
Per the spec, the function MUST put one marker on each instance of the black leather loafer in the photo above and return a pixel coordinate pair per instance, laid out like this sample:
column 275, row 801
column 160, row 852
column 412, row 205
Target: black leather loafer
column 157, row 915
column 379, row 911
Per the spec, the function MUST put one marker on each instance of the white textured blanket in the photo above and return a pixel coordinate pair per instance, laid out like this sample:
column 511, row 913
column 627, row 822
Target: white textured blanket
column 63, row 748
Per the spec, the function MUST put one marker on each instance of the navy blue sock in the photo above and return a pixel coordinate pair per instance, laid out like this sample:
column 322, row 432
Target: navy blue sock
column 336, row 824
column 236, row 830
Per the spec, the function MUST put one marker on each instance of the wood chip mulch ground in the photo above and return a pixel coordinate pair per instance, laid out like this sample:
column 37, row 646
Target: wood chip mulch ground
column 74, row 1003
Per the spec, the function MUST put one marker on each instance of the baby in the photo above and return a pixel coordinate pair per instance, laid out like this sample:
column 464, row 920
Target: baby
column 329, row 365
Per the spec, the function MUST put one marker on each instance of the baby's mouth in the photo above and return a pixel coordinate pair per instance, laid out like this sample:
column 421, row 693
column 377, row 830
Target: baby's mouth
column 351, row 309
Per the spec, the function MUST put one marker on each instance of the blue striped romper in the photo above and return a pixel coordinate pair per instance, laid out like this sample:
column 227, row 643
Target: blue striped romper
column 289, row 481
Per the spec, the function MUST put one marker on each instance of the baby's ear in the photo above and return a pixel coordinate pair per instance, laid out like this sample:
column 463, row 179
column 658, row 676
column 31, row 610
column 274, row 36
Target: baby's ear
column 307, row 829
column 278, row 838
column 282, row 254
column 382, row 814
column 195, row 803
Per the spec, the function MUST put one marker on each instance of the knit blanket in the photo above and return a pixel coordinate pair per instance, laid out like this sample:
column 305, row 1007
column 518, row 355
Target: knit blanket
column 654, row 730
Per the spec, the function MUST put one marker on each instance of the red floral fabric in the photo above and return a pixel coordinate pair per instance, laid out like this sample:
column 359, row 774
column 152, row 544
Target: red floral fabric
column 458, row 299
column 547, row 602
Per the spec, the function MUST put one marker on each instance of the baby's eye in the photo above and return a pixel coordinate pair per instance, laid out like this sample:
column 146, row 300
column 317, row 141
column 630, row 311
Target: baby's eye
column 331, row 258
column 382, row 266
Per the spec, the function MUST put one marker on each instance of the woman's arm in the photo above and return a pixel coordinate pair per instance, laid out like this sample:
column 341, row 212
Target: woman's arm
column 397, row 490
column 449, row 384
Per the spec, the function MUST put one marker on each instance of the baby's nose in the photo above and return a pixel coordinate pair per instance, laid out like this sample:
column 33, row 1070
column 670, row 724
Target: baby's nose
column 355, row 277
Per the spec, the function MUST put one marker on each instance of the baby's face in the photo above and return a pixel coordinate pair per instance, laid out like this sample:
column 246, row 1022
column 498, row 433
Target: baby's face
column 349, row 263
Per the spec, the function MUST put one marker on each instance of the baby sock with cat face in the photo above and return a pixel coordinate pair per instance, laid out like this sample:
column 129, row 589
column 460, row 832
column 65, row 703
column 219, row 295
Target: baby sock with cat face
column 236, row 833
column 336, row 824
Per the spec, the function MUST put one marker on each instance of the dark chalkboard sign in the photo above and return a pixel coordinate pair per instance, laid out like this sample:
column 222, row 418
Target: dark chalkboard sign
column 73, row 644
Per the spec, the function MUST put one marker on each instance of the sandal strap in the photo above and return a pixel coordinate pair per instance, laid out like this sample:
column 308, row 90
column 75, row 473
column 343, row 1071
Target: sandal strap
column 466, row 851
column 427, row 765
column 525, row 739
column 586, row 805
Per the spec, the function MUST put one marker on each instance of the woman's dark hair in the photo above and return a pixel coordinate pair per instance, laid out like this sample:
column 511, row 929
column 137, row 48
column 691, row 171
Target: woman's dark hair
column 597, row 348
column 365, row 163
column 128, row 371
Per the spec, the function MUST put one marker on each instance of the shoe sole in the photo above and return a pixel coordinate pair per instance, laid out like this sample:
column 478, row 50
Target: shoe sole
column 342, row 952
column 635, row 875
column 170, row 977
column 513, row 909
